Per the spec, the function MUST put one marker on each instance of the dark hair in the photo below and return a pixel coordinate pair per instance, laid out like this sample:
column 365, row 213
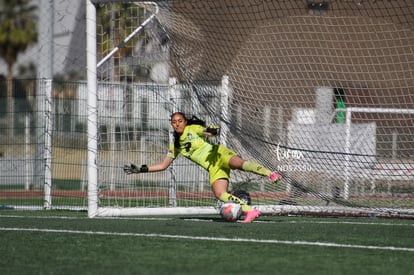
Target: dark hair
column 196, row 120
column 178, row 113
column 191, row 121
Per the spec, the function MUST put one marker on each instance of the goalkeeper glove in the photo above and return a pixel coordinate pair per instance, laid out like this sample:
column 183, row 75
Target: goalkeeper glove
column 213, row 130
column 133, row 169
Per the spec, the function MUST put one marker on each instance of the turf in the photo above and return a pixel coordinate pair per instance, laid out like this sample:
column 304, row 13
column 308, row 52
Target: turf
column 60, row 242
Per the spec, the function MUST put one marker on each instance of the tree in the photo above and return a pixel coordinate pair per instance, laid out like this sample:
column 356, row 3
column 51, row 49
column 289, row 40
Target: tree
column 17, row 32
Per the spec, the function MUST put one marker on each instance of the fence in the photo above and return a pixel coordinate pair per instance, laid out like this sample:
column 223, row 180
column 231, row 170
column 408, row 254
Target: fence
column 43, row 147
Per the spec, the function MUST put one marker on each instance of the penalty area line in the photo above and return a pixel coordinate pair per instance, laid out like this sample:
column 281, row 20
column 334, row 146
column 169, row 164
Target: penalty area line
column 204, row 238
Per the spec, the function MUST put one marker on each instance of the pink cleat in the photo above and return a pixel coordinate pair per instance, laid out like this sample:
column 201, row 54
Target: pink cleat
column 251, row 215
column 275, row 177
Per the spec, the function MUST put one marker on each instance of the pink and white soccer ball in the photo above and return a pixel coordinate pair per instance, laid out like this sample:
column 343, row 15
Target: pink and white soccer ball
column 230, row 211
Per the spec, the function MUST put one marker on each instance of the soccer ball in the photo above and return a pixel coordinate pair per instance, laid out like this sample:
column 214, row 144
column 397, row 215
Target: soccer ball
column 230, row 211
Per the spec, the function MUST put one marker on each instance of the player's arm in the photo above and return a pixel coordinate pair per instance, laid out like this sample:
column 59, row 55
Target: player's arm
column 161, row 166
column 133, row 169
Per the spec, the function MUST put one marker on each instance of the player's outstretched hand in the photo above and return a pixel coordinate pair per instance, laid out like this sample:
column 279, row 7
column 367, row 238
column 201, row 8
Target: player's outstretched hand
column 131, row 169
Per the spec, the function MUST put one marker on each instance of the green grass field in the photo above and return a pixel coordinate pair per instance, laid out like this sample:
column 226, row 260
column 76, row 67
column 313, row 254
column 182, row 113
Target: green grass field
column 60, row 242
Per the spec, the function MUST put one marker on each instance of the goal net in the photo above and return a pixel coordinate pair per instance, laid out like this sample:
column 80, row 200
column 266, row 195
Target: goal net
column 321, row 92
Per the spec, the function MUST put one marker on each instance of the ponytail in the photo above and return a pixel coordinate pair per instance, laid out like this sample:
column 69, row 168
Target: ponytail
column 196, row 120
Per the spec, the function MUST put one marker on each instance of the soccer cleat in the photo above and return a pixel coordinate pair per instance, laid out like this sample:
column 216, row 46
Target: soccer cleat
column 275, row 177
column 251, row 215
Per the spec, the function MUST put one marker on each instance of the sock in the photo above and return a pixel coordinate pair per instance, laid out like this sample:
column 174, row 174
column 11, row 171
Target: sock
column 225, row 197
column 256, row 168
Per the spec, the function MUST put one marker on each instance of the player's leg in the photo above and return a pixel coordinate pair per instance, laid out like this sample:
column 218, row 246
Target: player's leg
column 237, row 162
column 219, row 180
column 220, row 187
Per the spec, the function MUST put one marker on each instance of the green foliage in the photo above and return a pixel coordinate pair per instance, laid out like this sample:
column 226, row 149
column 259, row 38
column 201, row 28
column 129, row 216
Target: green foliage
column 17, row 31
column 17, row 28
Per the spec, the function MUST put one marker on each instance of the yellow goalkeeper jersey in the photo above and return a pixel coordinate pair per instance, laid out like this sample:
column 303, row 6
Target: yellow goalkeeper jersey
column 212, row 157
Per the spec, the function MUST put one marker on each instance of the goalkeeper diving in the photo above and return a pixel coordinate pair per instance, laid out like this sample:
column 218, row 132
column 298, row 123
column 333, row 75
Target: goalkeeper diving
column 218, row 160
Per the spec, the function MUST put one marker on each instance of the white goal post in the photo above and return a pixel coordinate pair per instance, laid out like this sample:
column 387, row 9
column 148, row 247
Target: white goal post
column 92, row 155
column 92, row 127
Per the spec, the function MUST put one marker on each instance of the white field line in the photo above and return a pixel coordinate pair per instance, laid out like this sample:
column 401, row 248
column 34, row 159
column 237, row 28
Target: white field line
column 206, row 220
column 315, row 222
column 203, row 238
